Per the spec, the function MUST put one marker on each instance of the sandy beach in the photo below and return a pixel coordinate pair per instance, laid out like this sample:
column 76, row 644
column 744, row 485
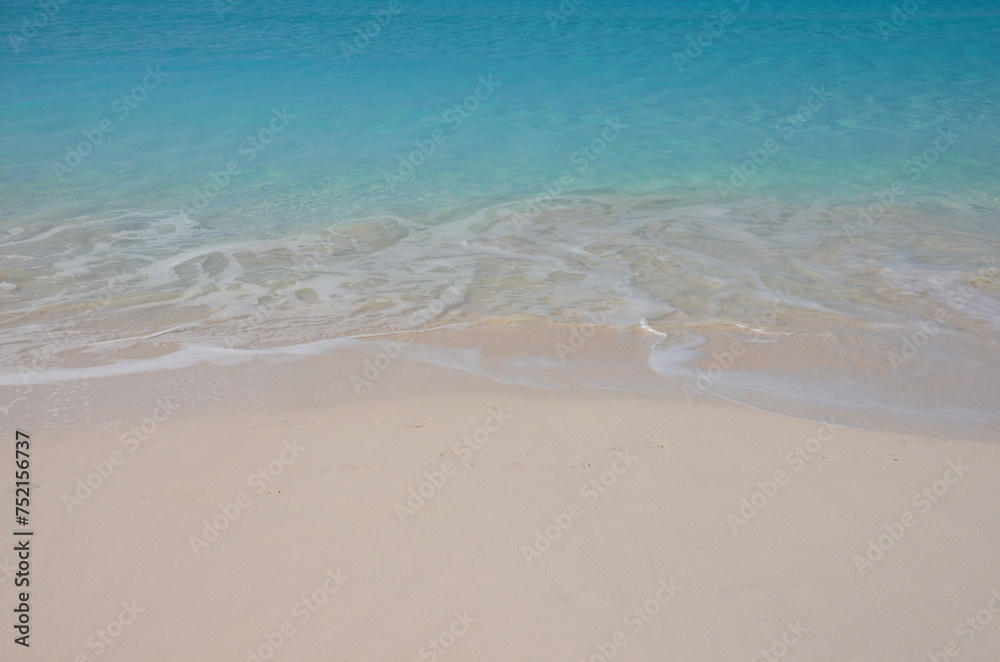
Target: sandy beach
column 499, row 331
column 445, row 514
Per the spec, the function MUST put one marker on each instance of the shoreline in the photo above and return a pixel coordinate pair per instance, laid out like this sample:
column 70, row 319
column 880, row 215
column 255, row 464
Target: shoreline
column 765, row 303
column 812, row 376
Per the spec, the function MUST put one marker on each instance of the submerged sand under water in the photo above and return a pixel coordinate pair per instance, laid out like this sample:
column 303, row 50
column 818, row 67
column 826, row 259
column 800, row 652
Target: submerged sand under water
column 885, row 314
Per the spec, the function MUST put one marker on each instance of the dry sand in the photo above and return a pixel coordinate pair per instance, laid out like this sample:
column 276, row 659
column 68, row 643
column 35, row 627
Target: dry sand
column 294, row 533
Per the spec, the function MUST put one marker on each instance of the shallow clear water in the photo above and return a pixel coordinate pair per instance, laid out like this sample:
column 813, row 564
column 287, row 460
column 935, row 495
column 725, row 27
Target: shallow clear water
column 250, row 173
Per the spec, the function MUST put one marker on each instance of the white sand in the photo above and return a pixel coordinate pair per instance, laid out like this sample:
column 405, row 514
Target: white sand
column 457, row 564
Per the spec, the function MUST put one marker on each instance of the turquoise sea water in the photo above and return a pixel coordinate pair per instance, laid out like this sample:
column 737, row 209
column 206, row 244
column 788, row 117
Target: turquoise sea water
column 322, row 170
